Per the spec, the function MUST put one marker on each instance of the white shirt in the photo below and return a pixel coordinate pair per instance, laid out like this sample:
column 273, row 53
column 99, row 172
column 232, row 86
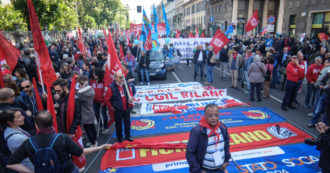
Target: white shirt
column 200, row 57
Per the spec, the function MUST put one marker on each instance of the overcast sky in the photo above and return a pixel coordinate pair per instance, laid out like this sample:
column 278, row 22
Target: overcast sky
column 133, row 15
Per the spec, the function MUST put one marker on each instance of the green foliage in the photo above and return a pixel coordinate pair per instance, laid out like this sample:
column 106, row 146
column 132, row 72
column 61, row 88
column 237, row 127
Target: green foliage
column 9, row 17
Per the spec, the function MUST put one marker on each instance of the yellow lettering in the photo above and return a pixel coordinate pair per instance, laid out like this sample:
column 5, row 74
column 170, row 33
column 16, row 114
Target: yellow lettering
column 249, row 136
column 237, row 139
column 154, row 152
column 262, row 135
column 163, row 151
column 143, row 152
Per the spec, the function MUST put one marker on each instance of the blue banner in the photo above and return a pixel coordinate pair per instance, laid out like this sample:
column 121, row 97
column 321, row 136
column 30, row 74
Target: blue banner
column 184, row 122
column 283, row 159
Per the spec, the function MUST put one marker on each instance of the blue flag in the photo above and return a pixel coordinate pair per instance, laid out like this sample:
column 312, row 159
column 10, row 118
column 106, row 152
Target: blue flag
column 156, row 20
column 229, row 30
column 143, row 35
column 154, row 41
column 146, row 21
column 168, row 30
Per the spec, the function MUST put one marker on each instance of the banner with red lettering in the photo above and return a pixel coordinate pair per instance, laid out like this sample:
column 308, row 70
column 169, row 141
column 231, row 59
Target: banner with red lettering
column 219, row 40
column 136, row 28
column 181, row 96
column 148, row 109
column 167, row 86
column 253, row 22
column 251, row 137
column 150, row 92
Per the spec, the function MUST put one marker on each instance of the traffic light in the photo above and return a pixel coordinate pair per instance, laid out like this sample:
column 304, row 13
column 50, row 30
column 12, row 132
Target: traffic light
column 138, row 8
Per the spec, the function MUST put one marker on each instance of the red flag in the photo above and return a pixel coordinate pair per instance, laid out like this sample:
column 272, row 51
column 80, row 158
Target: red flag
column 39, row 44
column 127, row 39
column 218, row 41
column 203, row 35
column 2, row 83
column 121, row 52
column 148, row 43
column 191, row 35
column 8, row 52
column 50, row 107
column 81, row 42
column 253, row 22
column 197, row 33
column 36, row 92
column 264, row 31
column 113, row 62
column 177, row 34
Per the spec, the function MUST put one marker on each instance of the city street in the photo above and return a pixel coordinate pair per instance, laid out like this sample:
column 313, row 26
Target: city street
column 184, row 73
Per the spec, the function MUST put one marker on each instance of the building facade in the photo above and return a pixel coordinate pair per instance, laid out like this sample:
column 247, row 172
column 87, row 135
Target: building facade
column 306, row 16
column 194, row 15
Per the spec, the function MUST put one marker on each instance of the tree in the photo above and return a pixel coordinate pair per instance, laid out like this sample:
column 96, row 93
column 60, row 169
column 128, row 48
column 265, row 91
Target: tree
column 9, row 17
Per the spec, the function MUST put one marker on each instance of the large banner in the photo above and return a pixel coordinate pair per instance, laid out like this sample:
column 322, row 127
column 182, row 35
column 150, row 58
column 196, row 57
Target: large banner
column 181, row 96
column 168, row 86
column 241, row 139
column 148, row 109
column 184, row 122
column 278, row 159
column 186, row 46
column 136, row 28
column 178, row 89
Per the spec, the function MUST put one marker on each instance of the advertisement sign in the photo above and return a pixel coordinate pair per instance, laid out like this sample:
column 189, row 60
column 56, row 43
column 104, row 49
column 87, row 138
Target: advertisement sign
column 279, row 159
column 184, row 122
column 241, row 139
column 186, row 46
column 181, row 96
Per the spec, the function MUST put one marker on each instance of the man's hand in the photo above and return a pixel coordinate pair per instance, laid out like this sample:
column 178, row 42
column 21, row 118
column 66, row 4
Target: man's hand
column 321, row 127
column 28, row 113
column 130, row 101
column 56, row 96
column 71, row 135
column 44, row 96
column 224, row 166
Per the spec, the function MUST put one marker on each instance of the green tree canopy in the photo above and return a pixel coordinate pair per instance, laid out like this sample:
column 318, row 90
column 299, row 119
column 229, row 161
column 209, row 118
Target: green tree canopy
column 9, row 17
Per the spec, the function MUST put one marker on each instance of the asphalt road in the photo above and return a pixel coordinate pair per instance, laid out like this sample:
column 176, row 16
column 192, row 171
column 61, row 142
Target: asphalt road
column 184, row 73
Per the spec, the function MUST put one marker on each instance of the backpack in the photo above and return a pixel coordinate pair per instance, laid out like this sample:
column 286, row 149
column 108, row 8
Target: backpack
column 3, row 143
column 45, row 159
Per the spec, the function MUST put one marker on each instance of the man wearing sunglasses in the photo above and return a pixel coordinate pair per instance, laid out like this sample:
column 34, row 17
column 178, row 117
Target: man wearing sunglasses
column 27, row 99
column 121, row 102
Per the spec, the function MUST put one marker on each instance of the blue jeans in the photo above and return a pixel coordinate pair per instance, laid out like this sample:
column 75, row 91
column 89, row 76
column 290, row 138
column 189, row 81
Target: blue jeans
column 130, row 68
column 199, row 65
column 311, row 91
column 275, row 77
column 209, row 73
column 97, row 107
column 319, row 110
column 296, row 91
column 144, row 72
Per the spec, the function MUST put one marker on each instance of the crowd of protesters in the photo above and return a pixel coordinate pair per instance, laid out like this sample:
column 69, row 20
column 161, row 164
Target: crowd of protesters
column 251, row 66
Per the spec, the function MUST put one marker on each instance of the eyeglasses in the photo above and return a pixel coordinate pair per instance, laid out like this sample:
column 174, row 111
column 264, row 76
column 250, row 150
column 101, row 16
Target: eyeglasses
column 28, row 86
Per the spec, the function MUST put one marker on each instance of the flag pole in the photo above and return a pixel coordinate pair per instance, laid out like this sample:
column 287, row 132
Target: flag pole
column 40, row 75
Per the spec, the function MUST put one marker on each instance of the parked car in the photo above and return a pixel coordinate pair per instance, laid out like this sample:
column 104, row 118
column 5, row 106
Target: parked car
column 157, row 67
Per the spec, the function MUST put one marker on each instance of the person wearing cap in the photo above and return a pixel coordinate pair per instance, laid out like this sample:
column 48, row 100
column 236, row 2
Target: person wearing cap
column 291, row 83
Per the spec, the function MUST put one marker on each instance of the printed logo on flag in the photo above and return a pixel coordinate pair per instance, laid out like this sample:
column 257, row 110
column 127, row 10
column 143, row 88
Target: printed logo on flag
column 281, row 132
column 125, row 154
column 254, row 22
column 256, row 114
column 142, row 124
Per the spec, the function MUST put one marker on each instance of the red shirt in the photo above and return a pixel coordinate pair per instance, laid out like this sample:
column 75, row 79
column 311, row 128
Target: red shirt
column 99, row 91
column 292, row 72
column 313, row 73
column 123, row 98
column 301, row 71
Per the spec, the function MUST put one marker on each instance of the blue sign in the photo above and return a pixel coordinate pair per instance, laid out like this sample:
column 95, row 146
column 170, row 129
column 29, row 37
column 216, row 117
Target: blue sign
column 269, row 42
column 211, row 19
column 186, row 121
column 271, row 19
column 279, row 159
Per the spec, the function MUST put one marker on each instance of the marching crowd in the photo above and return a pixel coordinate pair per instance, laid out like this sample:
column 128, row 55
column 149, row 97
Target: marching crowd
column 246, row 60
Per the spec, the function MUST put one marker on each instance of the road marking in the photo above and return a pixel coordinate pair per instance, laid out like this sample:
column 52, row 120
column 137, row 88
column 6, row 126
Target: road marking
column 96, row 156
column 275, row 98
column 176, row 77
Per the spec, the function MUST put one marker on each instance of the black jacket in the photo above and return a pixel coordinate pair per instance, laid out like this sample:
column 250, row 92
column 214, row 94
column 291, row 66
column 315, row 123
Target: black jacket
column 61, row 118
column 144, row 60
column 63, row 147
column 209, row 56
column 196, row 55
column 24, row 102
column 324, row 146
column 115, row 100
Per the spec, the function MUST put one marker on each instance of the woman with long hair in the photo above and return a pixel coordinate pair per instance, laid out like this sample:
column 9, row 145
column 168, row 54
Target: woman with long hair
column 10, row 122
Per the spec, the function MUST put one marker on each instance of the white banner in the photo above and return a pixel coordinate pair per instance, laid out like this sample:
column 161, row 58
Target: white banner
column 186, row 46
column 223, row 102
column 167, row 86
column 181, row 96
column 143, row 93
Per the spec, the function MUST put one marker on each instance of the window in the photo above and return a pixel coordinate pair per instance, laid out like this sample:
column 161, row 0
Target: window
column 193, row 9
column 198, row 8
column 241, row 5
column 318, row 20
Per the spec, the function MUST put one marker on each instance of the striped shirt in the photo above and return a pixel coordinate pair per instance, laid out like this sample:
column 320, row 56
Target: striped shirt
column 213, row 146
